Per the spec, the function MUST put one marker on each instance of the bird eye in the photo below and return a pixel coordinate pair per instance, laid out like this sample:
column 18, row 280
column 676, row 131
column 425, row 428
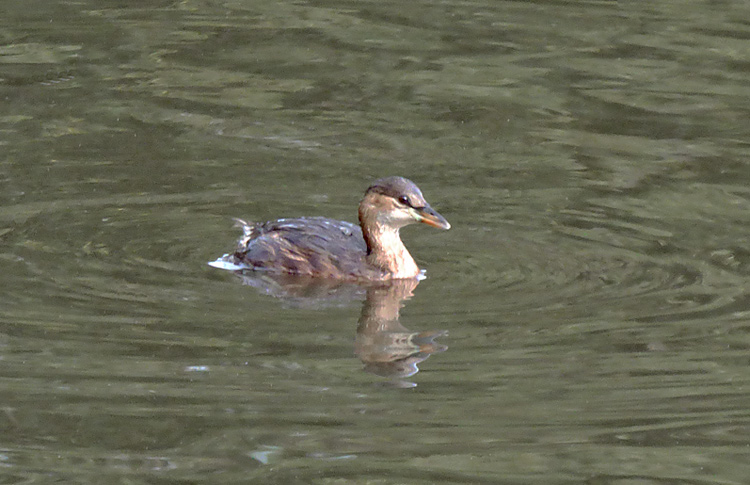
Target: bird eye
column 404, row 200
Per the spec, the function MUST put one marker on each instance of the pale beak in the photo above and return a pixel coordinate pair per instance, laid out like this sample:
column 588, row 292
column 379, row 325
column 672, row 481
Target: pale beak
column 430, row 216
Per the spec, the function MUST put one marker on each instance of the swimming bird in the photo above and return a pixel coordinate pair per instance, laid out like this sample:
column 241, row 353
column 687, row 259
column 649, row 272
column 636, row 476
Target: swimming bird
column 329, row 248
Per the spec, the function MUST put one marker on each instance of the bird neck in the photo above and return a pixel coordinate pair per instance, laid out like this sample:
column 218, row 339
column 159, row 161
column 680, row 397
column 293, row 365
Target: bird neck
column 386, row 251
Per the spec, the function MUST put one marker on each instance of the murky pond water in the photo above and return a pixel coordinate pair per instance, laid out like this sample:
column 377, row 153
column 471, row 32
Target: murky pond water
column 586, row 319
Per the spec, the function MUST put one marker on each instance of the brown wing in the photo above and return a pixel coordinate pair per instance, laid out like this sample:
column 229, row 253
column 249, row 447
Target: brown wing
column 309, row 246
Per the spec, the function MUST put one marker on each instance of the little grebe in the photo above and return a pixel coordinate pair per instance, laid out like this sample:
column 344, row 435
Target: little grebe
column 327, row 248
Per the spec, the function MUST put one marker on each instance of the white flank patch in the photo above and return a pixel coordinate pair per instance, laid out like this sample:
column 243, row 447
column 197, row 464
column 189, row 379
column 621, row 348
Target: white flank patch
column 221, row 264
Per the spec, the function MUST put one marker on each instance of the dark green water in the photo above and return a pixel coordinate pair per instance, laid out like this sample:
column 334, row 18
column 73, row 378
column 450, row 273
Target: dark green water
column 592, row 158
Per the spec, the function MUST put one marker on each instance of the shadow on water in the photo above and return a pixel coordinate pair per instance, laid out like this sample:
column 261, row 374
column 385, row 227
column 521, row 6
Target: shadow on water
column 383, row 344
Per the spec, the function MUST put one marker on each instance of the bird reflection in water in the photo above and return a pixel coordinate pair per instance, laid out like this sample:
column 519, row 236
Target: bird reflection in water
column 383, row 344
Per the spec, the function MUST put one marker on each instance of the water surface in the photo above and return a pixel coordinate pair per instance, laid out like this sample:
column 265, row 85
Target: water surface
column 584, row 321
